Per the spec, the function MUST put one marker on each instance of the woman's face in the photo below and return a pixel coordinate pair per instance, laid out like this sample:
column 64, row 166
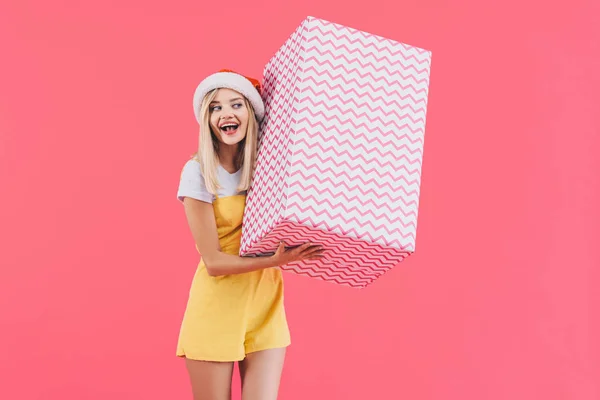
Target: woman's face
column 229, row 116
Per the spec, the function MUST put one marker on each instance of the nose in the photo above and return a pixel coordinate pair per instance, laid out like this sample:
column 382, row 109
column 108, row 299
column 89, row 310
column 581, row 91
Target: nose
column 227, row 114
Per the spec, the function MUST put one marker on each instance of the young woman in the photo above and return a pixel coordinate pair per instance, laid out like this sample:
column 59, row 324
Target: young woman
column 235, row 310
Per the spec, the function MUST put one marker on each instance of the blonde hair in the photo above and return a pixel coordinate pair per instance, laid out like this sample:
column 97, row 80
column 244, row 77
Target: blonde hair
column 208, row 147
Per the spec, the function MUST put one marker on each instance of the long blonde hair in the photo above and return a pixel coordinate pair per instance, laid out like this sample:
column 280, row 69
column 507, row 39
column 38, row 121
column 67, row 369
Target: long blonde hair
column 208, row 148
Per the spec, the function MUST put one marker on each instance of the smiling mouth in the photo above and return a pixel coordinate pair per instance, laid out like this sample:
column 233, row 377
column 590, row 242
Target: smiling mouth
column 229, row 129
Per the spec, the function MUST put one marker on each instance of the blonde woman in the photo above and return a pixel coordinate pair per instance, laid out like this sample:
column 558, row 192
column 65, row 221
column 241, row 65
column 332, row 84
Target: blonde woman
column 235, row 311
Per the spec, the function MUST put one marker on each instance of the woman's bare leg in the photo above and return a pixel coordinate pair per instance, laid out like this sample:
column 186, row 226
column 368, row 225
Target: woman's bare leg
column 210, row 380
column 260, row 373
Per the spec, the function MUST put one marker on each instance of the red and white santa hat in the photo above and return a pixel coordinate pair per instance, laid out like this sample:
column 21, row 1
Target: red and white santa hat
column 250, row 88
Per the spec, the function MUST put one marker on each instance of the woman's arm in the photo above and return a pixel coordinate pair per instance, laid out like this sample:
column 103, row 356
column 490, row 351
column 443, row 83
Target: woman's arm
column 201, row 220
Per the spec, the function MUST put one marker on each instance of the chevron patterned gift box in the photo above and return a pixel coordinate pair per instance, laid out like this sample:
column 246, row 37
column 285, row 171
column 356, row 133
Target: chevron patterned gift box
column 340, row 152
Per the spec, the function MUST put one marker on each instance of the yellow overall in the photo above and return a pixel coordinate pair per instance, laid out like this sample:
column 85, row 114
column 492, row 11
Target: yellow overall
column 230, row 316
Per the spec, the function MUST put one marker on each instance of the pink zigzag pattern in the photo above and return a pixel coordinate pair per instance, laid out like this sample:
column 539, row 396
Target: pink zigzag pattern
column 351, row 122
column 416, row 153
column 335, row 107
column 292, row 186
column 319, row 124
column 385, row 41
column 338, row 164
column 356, row 188
column 323, row 63
column 342, row 259
column 352, row 232
column 356, row 198
column 381, row 60
column 341, row 266
column 358, row 177
column 342, row 263
column 373, row 162
column 364, row 45
column 389, row 104
column 353, row 92
column 290, row 79
column 303, row 237
column 292, row 233
column 361, row 156
column 335, row 206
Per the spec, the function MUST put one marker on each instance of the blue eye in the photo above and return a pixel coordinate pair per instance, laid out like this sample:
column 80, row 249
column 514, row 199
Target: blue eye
column 214, row 108
column 238, row 105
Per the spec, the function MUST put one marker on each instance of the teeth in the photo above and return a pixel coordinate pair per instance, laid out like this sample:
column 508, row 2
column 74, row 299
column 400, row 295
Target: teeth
column 229, row 127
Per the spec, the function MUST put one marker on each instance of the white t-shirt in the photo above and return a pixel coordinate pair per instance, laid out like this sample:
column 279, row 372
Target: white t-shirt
column 192, row 183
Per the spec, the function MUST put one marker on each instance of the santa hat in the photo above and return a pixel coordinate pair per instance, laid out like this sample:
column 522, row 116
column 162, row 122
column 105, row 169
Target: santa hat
column 225, row 78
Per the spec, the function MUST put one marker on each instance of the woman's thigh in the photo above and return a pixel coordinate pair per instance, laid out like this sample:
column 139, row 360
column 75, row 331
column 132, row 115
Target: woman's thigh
column 210, row 380
column 260, row 373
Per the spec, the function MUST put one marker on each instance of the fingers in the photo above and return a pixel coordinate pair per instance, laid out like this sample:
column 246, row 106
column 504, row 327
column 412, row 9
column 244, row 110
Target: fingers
column 300, row 250
column 313, row 250
column 313, row 253
column 316, row 256
column 280, row 248
column 306, row 251
column 304, row 247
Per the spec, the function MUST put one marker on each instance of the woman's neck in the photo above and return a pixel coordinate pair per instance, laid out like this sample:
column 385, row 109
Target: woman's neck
column 228, row 157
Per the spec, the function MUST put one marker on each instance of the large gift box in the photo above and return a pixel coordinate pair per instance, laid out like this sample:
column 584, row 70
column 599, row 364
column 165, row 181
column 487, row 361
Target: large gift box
column 339, row 160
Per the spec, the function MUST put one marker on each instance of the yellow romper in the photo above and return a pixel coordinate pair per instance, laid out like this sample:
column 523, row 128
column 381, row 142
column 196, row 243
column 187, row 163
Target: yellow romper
column 230, row 316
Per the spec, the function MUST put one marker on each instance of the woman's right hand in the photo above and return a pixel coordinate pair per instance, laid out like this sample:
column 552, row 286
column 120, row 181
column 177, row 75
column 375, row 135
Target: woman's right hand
column 308, row 251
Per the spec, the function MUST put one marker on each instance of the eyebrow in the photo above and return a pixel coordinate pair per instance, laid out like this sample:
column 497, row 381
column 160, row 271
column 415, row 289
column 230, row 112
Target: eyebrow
column 231, row 101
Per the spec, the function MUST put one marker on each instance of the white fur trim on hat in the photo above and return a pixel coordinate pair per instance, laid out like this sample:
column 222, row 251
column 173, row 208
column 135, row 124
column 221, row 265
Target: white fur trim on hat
column 233, row 81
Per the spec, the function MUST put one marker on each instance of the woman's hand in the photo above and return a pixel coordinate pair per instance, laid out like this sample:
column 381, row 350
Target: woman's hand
column 308, row 251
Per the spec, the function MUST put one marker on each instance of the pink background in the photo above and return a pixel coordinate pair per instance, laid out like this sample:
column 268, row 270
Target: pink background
column 500, row 300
